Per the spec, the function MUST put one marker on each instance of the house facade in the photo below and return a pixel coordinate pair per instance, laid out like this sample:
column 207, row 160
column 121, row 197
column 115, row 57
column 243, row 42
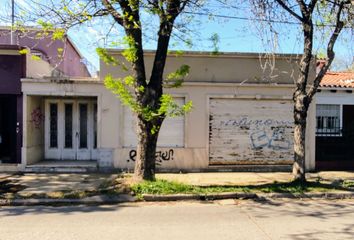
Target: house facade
column 12, row 69
column 62, row 55
column 39, row 63
column 241, row 119
column 335, row 122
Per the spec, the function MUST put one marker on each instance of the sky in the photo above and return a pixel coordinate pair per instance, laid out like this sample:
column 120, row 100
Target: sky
column 235, row 34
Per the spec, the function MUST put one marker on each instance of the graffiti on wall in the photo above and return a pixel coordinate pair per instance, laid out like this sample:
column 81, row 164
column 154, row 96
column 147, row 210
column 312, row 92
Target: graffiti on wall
column 37, row 117
column 276, row 140
column 160, row 156
column 250, row 132
column 246, row 122
column 264, row 133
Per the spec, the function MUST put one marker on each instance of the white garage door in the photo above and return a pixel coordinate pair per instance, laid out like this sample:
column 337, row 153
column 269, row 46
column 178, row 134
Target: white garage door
column 250, row 131
column 171, row 133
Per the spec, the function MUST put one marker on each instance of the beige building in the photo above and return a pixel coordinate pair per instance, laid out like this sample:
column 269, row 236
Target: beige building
column 241, row 117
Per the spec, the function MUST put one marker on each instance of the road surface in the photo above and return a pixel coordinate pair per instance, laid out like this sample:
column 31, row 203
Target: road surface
column 228, row 219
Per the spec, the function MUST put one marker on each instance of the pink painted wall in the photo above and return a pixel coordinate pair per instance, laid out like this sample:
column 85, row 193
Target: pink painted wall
column 69, row 65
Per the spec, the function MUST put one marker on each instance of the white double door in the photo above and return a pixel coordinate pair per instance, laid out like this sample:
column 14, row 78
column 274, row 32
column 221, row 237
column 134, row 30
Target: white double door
column 71, row 129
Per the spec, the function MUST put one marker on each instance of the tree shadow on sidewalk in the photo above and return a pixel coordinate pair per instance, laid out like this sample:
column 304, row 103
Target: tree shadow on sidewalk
column 60, row 209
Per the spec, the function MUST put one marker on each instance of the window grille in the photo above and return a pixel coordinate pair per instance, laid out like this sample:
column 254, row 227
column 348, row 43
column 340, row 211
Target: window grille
column 328, row 119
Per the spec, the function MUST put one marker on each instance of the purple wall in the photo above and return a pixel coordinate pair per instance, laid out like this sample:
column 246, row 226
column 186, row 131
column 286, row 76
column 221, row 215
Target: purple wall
column 12, row 69
column 70, row 64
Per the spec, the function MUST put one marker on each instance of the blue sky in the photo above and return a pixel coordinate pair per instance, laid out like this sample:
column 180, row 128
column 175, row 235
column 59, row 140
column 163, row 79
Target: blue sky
column 235, row 35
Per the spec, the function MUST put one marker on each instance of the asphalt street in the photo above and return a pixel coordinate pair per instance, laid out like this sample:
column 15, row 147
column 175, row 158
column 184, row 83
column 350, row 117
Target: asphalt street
column 227, row 219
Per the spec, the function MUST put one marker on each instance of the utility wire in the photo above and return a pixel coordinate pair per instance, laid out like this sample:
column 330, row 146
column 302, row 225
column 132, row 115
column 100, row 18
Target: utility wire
column 254, row 19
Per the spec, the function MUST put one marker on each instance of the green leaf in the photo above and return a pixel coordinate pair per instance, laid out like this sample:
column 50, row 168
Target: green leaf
column 58, row 34
column 118, row 87
column 105, row 57
column 215, row 40
column 23, row 51
column 35, row 57
column 175, row 79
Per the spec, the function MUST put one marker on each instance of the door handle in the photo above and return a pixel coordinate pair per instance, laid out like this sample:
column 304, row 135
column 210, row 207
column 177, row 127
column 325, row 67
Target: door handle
column 17, row 127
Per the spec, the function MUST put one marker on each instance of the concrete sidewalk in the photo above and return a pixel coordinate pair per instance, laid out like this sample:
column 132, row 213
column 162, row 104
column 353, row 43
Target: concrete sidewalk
column 44, row 183
column 27, row 184
column 251, row 178
column 63, row 189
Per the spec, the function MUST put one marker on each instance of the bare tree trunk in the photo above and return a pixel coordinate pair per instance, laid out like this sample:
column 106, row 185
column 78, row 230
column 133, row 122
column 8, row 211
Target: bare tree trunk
column 145, row 164
column 300, row 115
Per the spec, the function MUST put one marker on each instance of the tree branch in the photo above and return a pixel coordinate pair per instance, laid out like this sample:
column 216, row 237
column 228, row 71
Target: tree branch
column 117, row 17
column 133, row 29
column 312, row 5
column 304, row 9
column 330, row 52
column 172, row 10
column 289, row 10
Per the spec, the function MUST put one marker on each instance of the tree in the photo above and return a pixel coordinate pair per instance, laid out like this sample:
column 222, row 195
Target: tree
column 334, row 14
column 144, row 96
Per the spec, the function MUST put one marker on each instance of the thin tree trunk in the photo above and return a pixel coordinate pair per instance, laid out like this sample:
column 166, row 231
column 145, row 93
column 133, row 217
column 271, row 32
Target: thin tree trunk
column 146, row 149
column 300, row 115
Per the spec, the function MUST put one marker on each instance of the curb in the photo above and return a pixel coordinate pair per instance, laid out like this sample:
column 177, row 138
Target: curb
column 221, row 196
column 125, row 198
column 95, row 200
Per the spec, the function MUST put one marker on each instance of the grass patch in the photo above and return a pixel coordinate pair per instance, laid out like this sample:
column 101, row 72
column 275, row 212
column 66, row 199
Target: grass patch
column 164, row 187
column 349, row 184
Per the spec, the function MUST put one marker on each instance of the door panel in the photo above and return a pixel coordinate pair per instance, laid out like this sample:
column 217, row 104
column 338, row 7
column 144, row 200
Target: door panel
column 68, row 123
column 53, row 120
column 94, row 152
column 84, row 150
column 70, row 130
column 52, row 148
column 83, row 125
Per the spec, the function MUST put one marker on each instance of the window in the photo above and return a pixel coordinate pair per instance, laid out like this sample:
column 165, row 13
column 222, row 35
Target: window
column 171, row 133
column 53, row 123
column 328, row 119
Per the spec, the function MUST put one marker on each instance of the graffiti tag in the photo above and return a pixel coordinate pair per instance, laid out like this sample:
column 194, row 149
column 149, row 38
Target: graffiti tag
column 277, row 140
column 37, row 117
column 160, row 156
column 245, row 121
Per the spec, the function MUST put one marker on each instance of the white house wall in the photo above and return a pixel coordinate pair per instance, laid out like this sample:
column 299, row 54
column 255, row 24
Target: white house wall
column 194, row 154
column 240, row 79
column 171, row 133
column 250, row 131
column 221, row 68
column 33, row 147
column 338, row 97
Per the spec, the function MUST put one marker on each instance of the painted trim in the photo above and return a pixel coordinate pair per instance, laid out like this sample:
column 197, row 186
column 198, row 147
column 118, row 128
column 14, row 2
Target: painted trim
column 344, row 99
column 185, row 84
column 207, row 54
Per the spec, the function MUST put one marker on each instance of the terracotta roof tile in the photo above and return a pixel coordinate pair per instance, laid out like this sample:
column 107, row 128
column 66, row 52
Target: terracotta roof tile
column 338, row 80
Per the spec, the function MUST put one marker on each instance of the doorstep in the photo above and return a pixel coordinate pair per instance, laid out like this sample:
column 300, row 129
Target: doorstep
column 9, row 167
column 62, row 166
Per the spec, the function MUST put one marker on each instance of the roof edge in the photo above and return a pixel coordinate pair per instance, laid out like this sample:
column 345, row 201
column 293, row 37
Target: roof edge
column 213, row 55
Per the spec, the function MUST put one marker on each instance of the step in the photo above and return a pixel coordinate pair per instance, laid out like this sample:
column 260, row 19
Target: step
column 62, row 167
column 47, row 169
